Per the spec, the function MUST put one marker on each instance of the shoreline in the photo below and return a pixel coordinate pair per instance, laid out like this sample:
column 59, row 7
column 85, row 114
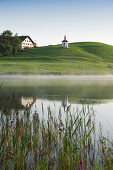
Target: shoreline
column 57, row 76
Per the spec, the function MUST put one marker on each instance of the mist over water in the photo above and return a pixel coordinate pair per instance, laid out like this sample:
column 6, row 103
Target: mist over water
column 19, row 92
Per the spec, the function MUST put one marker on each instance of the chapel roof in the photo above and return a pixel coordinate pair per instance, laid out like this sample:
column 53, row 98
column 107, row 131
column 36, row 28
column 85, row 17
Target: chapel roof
column 64, row 41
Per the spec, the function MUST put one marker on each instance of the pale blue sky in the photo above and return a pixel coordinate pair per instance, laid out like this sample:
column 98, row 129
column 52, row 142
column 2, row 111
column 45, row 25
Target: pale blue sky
column 47, row 21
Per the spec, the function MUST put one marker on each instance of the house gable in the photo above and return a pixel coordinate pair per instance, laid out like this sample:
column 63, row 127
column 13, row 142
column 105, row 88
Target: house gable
column 27, row 42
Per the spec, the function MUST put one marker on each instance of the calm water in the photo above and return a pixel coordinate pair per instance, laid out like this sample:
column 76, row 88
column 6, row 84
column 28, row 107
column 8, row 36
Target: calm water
column 35, row 93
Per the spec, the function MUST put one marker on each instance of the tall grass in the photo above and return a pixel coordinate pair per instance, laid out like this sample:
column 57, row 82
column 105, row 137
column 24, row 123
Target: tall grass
column 34, row 143
column 1, row 84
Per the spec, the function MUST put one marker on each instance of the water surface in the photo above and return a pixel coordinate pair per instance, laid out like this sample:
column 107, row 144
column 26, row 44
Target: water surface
column 19, row 92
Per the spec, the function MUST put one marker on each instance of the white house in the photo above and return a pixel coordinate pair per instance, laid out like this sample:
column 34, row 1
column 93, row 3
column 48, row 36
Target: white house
column 65, row 43
column 27, row 42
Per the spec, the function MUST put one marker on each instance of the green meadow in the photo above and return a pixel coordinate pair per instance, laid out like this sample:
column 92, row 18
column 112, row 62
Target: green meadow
column 79, row 58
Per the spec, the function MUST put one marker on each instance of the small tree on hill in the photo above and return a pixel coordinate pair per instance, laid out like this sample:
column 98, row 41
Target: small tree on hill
column 9, row 44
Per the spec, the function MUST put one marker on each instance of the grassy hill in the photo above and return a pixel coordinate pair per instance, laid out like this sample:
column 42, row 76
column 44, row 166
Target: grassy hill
column 79, row 58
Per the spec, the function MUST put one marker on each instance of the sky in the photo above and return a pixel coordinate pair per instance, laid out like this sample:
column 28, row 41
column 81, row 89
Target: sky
column 47, row 21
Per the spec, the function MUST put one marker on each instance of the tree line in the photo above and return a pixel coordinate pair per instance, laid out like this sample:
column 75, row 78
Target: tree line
column 9, row 44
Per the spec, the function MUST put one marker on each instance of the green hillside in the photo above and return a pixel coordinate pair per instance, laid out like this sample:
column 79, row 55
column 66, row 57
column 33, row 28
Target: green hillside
column 79, row 58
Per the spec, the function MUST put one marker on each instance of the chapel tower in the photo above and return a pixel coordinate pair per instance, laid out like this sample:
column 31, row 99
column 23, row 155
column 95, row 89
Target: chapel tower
column 65, row 43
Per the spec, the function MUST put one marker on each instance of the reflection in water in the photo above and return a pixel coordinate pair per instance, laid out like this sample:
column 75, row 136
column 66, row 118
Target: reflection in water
column 64, row 103
column 9, row 100
column 24, row 118
column 92, row 92
column 27, row 101
column 18, row 95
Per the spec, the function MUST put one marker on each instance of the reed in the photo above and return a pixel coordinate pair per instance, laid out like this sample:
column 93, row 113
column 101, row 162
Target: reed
column 55, row 143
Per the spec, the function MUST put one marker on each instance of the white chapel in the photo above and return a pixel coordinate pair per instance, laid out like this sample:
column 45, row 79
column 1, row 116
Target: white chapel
column 65, row 43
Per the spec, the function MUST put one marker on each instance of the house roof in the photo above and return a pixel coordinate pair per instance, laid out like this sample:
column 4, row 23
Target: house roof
column 24, row 37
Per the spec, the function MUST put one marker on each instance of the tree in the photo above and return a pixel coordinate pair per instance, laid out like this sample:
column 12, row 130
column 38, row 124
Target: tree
column 16, row 44
column 9, row 44
column 6, row 49
column 7, row 33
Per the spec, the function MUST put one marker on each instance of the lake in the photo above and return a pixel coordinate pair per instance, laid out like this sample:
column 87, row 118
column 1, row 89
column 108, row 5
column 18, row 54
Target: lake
column 56, row 122
column 19, row 92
